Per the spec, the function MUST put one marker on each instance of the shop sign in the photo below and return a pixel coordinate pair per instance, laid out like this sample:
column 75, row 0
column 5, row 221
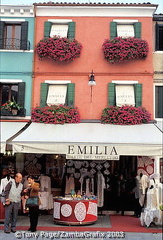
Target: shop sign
column 92, row 152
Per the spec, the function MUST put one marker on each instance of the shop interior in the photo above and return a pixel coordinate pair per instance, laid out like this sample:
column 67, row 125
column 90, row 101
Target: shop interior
column 53, row 172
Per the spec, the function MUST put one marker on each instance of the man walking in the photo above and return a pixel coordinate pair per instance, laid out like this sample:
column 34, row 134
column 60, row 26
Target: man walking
column 13, row 192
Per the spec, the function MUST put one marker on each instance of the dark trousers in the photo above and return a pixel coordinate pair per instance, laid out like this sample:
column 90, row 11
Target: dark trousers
column 11, row 214
column 33, row 214
column 138, row 208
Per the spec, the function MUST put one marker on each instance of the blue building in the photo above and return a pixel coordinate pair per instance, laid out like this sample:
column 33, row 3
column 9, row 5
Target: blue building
column 16, row 56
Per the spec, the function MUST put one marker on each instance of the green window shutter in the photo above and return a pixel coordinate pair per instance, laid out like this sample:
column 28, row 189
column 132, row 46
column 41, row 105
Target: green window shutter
column 71, row 30
column 70, row 94
column 111, row 94
column 113, row 30
column 43, row 94
column 47, row 28
column 21, row 93
column 138, row 95
column 24, row 36
column 2, row 28
column 137, row 28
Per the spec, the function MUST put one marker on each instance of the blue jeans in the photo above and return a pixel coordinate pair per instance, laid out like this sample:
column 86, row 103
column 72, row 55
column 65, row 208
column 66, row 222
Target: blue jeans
column 11, row 214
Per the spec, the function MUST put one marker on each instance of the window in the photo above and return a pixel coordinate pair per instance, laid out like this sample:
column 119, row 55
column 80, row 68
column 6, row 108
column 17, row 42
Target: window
column 56, row 94
column 62, row 28
column 14, row 35
column 52, row 94
column 7, row 92
column 124, row 94
column 15, row 90
column 158, row 101
column 59, row 30
column 159, row 37
column 125, row 28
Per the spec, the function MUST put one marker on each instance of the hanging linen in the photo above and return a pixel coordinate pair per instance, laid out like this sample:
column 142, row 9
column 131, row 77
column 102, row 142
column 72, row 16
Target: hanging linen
column 100, row 189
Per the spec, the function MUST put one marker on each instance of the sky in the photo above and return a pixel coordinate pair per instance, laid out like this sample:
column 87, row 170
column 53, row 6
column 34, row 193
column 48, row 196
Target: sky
column 28, row 2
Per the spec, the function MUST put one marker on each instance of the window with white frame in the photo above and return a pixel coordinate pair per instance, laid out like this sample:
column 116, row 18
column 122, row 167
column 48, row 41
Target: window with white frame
column 124, row 93
column 55, row 92
column 60, row 28
column 125, row 28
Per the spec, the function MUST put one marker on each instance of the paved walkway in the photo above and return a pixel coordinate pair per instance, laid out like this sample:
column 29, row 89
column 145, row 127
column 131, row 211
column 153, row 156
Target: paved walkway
column 47, row 221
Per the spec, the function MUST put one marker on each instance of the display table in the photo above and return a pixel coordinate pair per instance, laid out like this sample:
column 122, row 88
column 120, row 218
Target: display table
column 2, row 212
column 75, row 212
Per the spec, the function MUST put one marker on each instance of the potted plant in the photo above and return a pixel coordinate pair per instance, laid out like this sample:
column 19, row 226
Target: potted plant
column 58, row 49
column 12, row 106
column 119, row 50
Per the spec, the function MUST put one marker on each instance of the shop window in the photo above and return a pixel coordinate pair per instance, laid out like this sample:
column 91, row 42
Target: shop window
column 14, row 36
column 159, row 37
column 52, row 94
column 61, row 28
column 125, row 28
column 10, row 91
column 124, row 94
column 158, row 101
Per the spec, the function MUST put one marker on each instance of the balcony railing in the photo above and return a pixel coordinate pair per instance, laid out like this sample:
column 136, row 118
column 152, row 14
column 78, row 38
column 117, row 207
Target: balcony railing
column 14, row 44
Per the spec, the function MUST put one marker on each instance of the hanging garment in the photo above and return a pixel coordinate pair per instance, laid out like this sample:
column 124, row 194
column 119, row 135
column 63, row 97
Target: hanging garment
column 100, row 189
column 70, row 184
column 45, row 183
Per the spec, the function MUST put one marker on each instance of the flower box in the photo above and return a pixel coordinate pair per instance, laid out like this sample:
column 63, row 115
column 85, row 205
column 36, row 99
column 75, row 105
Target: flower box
column 125, row 115
column 119, row 50
column 58, row 49
column 55, row 114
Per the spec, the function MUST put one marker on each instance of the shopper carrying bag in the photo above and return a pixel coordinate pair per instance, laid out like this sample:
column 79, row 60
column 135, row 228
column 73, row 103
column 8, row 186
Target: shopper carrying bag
column 32, row 202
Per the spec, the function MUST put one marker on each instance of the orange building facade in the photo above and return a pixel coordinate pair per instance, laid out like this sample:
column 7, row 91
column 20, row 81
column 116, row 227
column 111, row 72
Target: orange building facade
column 93, row 23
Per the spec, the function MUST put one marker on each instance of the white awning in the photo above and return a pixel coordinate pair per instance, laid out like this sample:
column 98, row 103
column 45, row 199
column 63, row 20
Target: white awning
column 90, row 138
column 7, row 130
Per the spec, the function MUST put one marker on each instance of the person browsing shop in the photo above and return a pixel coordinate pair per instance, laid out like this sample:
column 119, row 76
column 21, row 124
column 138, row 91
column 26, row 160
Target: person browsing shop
column 13, row 191
column 32, row 191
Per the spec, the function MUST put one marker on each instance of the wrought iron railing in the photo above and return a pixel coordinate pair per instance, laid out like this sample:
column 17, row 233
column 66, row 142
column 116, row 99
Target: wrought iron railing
column 14, row 44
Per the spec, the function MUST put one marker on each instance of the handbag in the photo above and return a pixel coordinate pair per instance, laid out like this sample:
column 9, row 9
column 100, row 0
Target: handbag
column 32, row 202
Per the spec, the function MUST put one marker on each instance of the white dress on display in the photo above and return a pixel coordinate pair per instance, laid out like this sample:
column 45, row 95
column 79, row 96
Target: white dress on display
column 45, row 195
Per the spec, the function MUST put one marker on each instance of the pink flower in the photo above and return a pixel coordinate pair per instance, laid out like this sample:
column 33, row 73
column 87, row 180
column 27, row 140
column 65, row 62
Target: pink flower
column 125, row 115
column 58, row 49
column 55, row 114
column 124, row 49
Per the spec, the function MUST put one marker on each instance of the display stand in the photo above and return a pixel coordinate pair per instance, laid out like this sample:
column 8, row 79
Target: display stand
column 75, row 212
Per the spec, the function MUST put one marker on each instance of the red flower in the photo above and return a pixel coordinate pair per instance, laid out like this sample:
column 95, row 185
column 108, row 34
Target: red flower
column 125, row 115
column 124, row 49
column 58, row 49
column 55, row 114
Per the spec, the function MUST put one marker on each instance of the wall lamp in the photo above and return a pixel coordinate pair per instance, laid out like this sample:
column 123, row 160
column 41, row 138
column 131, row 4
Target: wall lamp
column 91, row 82
column 91, row 79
